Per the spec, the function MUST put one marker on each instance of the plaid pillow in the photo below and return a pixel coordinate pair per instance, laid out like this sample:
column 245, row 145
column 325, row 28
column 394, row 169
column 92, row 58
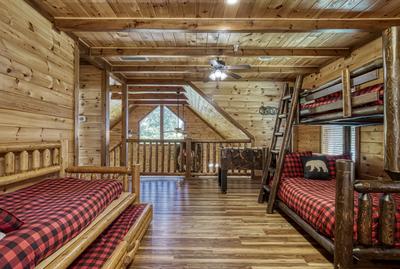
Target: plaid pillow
column 8, row 222
column 332, row 163
column 293, row 167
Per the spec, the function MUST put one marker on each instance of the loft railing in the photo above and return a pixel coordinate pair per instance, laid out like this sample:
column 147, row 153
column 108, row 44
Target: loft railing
column 168, row 157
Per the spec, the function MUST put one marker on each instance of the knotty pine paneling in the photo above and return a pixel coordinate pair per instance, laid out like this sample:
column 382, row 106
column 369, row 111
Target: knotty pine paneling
column 90, row 79
column 242, row 100
column 36, row 78
column 307, row 138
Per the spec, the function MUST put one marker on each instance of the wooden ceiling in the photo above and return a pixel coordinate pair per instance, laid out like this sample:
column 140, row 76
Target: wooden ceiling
column 179, row 37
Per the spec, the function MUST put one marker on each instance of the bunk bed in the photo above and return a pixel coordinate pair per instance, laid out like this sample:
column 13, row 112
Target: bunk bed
column 327, row 103
column 350, row 218
column 63, row 213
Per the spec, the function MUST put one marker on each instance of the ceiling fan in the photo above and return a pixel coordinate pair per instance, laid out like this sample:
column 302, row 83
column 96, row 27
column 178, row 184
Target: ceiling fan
column 220, row 71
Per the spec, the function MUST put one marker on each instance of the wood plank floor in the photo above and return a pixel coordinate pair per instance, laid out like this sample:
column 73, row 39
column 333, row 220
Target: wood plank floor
column 196, row 227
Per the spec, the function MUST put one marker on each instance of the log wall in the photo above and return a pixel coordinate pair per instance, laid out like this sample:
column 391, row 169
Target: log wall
column 90, row 131
column 36, row 78
column 307, row 138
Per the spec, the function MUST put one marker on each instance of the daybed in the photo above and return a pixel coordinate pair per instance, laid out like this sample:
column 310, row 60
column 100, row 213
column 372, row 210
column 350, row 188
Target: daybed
column 65, row 210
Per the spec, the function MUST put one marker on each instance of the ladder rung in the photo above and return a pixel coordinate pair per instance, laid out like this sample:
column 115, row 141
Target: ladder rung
column 279, row 134
column 282, row 116
column 266, row 188
column 271, row 169
column 287, row 97
column 275, row 151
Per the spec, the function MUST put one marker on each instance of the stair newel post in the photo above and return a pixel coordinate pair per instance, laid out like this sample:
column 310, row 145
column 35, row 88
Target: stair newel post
column 188, row 168
column 285, row 143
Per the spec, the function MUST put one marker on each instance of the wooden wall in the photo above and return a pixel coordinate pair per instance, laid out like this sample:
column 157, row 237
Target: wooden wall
column 307, row 138
column 90, row 131
column 36, row 78
column 195, row 126
column 242, row 99
column 371, row 137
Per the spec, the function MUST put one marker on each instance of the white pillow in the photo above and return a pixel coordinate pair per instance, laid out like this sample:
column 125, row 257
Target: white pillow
column 2, row 235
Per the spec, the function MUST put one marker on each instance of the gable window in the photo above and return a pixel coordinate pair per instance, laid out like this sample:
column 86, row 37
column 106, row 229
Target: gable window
column 161, row 123
column 333, row 140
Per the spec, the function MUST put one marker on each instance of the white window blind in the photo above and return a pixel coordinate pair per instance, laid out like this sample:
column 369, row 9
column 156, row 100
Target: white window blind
column 333, row 140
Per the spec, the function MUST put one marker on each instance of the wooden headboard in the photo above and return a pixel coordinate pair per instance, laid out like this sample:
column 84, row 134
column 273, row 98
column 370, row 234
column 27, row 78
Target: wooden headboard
column 21, row 162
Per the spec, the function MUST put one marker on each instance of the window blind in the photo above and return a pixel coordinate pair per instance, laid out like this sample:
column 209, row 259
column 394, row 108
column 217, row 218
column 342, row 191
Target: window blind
column 333, row 140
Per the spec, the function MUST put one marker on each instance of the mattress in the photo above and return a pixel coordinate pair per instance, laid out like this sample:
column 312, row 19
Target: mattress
column 96, row 255
column 314, row 202
column 53, row 211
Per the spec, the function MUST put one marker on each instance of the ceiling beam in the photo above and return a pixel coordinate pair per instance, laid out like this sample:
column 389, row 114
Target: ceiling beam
column 160, row 102
column 149, row 89
column 151, row 96
column 214, row 52
column 180, row 80
column 206, row 68
column 148, row 81
column 221, row 25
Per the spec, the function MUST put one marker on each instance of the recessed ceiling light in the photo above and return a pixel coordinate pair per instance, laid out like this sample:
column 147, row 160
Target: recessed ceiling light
column 231, row 2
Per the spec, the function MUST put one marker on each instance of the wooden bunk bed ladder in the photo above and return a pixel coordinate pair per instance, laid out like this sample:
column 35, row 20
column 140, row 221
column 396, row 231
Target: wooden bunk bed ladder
column 287, row 111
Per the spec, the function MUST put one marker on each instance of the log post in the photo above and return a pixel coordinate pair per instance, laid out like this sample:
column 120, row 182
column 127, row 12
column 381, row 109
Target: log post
column 9, row 163
column 46, row 158
column 125, row 125
column 364, row 221
column 135, row 177
column 344, row 215
column 188, row 170
column 36, row 159
column 346, row 93
column 105, row 119
column 387, row 220
column 64, row 156
column 24, row 161
column 391, row 68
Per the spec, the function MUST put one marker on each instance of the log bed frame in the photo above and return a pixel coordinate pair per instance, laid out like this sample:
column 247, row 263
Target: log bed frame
column 344, row 248
column 28, row 163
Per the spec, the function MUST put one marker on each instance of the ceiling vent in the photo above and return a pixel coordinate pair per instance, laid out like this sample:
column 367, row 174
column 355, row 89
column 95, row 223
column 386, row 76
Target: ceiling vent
column 134, row 58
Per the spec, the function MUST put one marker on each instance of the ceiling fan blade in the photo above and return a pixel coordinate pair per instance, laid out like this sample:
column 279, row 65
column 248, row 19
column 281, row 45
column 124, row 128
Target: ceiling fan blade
column 238, row 67
column 214, row 62
column 235, row 76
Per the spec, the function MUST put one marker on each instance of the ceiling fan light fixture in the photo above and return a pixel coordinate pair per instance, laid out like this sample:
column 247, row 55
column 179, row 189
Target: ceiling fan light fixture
column 223, row 76
column 231, row 2
column 212, row 76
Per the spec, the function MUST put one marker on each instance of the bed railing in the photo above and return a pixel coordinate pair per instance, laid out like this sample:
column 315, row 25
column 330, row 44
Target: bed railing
column 22, row 161
column 345, row 247
column 168, row 157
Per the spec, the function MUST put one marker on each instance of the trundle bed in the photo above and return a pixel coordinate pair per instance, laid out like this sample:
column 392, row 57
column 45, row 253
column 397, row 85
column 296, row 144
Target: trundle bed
column 77, row 217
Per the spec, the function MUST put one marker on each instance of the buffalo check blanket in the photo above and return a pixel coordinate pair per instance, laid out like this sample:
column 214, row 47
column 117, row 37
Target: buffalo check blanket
column 96, row 255
column 53, row 212
column 314, row 202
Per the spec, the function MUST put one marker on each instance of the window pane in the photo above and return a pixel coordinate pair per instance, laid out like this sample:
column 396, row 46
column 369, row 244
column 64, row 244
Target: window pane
column 150, row 125
column 171, row 122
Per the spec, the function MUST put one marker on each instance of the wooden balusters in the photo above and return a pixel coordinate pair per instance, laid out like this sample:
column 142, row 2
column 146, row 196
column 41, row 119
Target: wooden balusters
column 387, row 219
column 364, row 220
column 10, row 163
column 23, row 161
column 46, row 158
column 56, row 156
column 36, row 159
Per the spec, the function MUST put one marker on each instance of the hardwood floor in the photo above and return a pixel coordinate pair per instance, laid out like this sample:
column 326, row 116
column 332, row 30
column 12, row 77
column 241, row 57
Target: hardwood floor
column 196, row 227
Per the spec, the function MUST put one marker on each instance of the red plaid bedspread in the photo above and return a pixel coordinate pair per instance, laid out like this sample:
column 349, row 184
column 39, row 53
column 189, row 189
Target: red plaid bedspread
column 337, row 96
column 53, row 211
column 314, row 202
column 96, row 255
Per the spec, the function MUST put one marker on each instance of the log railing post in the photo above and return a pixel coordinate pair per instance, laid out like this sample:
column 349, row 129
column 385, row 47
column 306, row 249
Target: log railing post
column 125, row 126
column 344, row 215
column 188, row 170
